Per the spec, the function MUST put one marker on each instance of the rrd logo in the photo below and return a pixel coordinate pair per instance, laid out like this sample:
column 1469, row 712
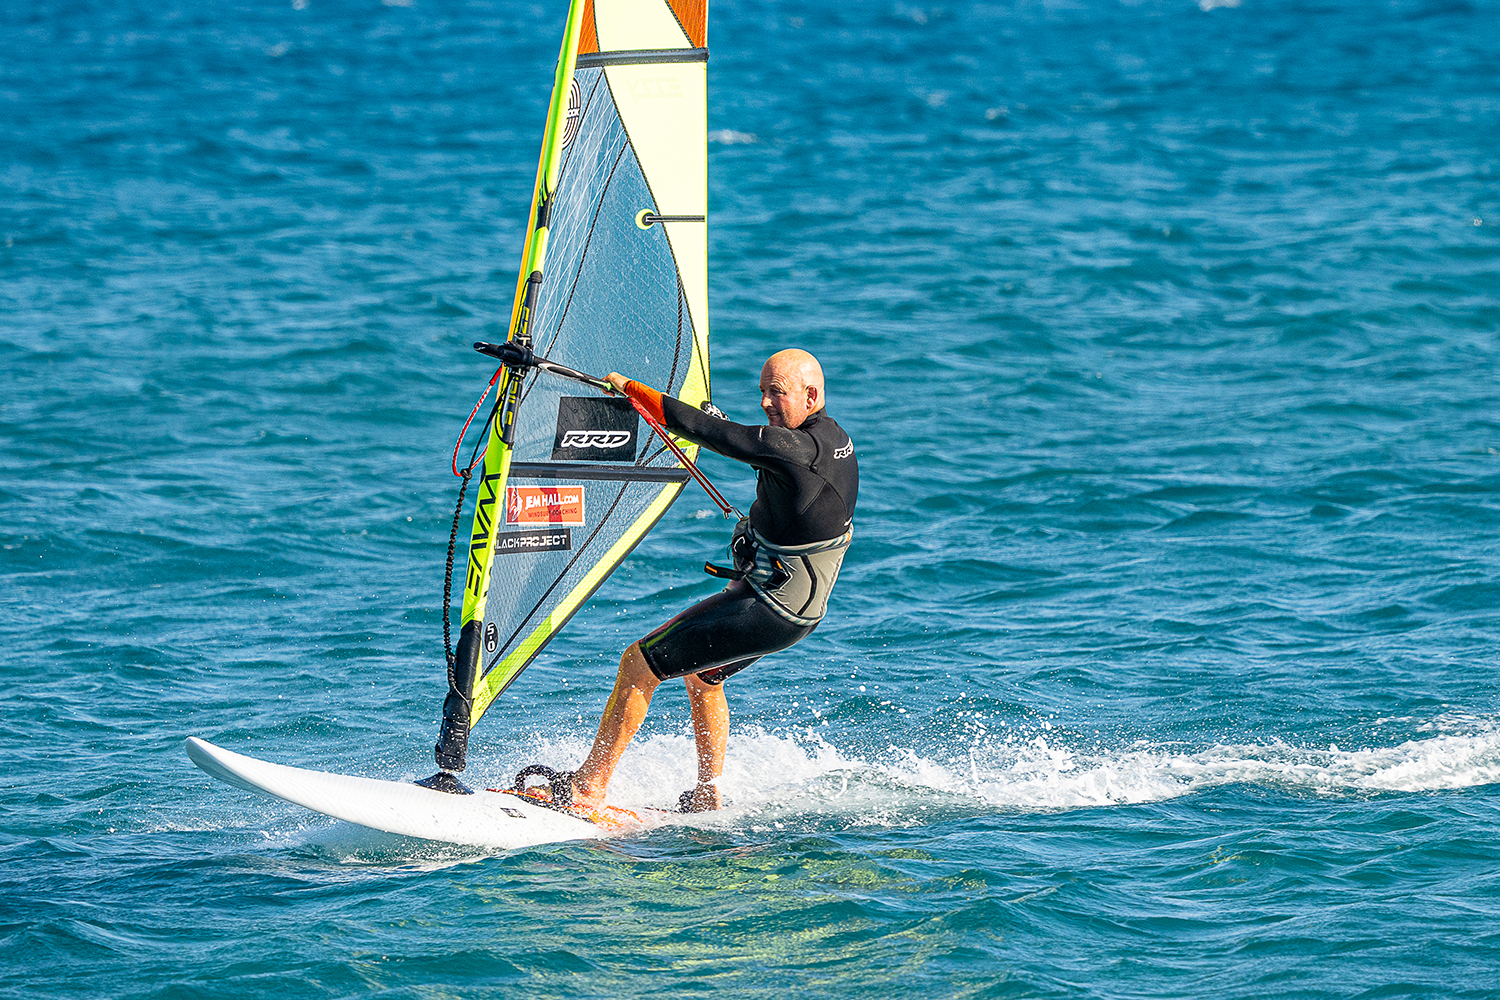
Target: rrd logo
column 596, row 439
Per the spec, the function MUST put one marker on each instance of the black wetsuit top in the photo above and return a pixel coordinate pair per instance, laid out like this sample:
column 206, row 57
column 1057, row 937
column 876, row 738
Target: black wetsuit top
column 806, row 491
column 809, row 477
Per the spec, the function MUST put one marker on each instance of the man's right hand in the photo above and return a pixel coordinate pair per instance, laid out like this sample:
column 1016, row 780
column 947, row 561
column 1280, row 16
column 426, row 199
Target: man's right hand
column 618, row 381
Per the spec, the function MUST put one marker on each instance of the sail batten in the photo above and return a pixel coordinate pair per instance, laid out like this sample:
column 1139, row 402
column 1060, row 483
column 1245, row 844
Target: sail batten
column 641, row 57
column 571, row 482
column 629, row 473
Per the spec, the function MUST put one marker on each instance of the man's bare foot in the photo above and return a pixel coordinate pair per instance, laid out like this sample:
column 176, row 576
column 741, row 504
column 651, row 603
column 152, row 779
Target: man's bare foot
column 704, row 798
column 584, row 803
column 561, row 789
column 588, row 794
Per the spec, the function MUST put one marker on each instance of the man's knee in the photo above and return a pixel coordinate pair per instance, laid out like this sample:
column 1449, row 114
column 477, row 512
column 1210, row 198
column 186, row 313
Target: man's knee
column 699, row 688
column 635, row 670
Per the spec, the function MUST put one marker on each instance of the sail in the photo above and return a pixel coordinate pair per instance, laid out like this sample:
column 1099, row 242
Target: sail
column 614, row 277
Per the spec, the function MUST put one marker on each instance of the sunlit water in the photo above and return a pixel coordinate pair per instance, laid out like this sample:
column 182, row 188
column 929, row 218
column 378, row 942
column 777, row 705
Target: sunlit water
column 1164, row 662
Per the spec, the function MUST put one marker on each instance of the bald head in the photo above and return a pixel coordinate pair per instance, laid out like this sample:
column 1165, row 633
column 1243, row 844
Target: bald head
column 791, row 388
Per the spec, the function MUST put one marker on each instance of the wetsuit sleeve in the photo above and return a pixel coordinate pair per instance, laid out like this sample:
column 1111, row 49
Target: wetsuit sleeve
column 761, row 447
column 647, row 397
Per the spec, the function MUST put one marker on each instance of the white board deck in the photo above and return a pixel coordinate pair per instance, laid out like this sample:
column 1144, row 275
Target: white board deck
column 484, row 819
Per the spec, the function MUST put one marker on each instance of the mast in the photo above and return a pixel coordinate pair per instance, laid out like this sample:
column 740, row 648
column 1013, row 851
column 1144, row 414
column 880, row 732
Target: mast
column 614, row 274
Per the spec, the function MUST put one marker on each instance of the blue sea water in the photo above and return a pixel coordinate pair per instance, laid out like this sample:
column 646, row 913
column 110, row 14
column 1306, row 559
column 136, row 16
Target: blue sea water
column 1164, row 663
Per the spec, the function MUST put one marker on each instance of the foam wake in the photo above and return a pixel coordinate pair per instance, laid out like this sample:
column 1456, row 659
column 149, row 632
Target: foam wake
column 778, row 774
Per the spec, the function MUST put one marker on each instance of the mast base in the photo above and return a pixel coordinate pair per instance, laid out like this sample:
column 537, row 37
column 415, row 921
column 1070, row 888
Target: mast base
column 446, row 781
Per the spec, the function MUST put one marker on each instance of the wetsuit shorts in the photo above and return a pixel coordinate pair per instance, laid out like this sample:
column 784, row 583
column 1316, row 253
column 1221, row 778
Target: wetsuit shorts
column 719, row 636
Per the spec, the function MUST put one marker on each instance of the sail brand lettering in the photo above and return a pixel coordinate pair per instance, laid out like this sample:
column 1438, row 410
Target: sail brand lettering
column 544, row 505
column 595, row 439
column 591, row 429
column 551, row 540
column 484, row 523
column 655, row 88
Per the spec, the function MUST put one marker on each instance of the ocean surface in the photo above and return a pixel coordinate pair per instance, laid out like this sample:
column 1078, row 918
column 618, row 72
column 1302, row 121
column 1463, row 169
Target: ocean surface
column 1164, row 664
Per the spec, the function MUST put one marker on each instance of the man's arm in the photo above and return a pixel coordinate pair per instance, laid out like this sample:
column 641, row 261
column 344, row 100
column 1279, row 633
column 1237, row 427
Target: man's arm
column 762, row 447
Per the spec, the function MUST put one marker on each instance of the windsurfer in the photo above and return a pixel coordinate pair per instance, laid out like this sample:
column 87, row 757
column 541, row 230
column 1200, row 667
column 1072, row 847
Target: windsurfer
column 786, row 557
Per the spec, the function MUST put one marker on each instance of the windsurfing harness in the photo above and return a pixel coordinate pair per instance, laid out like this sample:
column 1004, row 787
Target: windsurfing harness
column 793, row 580
column 790, row 548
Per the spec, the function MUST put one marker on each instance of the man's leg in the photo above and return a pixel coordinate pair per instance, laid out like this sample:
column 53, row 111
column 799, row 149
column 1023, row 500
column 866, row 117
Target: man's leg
column 710, row 711
column 623, row 715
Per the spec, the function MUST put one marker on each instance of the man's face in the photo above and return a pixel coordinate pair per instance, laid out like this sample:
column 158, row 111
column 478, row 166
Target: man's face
column 785, row 397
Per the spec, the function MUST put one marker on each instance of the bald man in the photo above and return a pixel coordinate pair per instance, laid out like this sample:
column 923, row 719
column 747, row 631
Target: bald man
column 786, row 557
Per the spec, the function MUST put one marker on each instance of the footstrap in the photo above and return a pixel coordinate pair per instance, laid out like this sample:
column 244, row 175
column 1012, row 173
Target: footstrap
column 559, row 783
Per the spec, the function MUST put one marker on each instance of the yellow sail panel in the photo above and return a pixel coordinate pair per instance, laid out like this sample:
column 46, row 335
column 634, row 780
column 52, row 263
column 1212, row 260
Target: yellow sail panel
column 656, row 66
column 625, row 25
column 691, row 16
column 614, row 277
